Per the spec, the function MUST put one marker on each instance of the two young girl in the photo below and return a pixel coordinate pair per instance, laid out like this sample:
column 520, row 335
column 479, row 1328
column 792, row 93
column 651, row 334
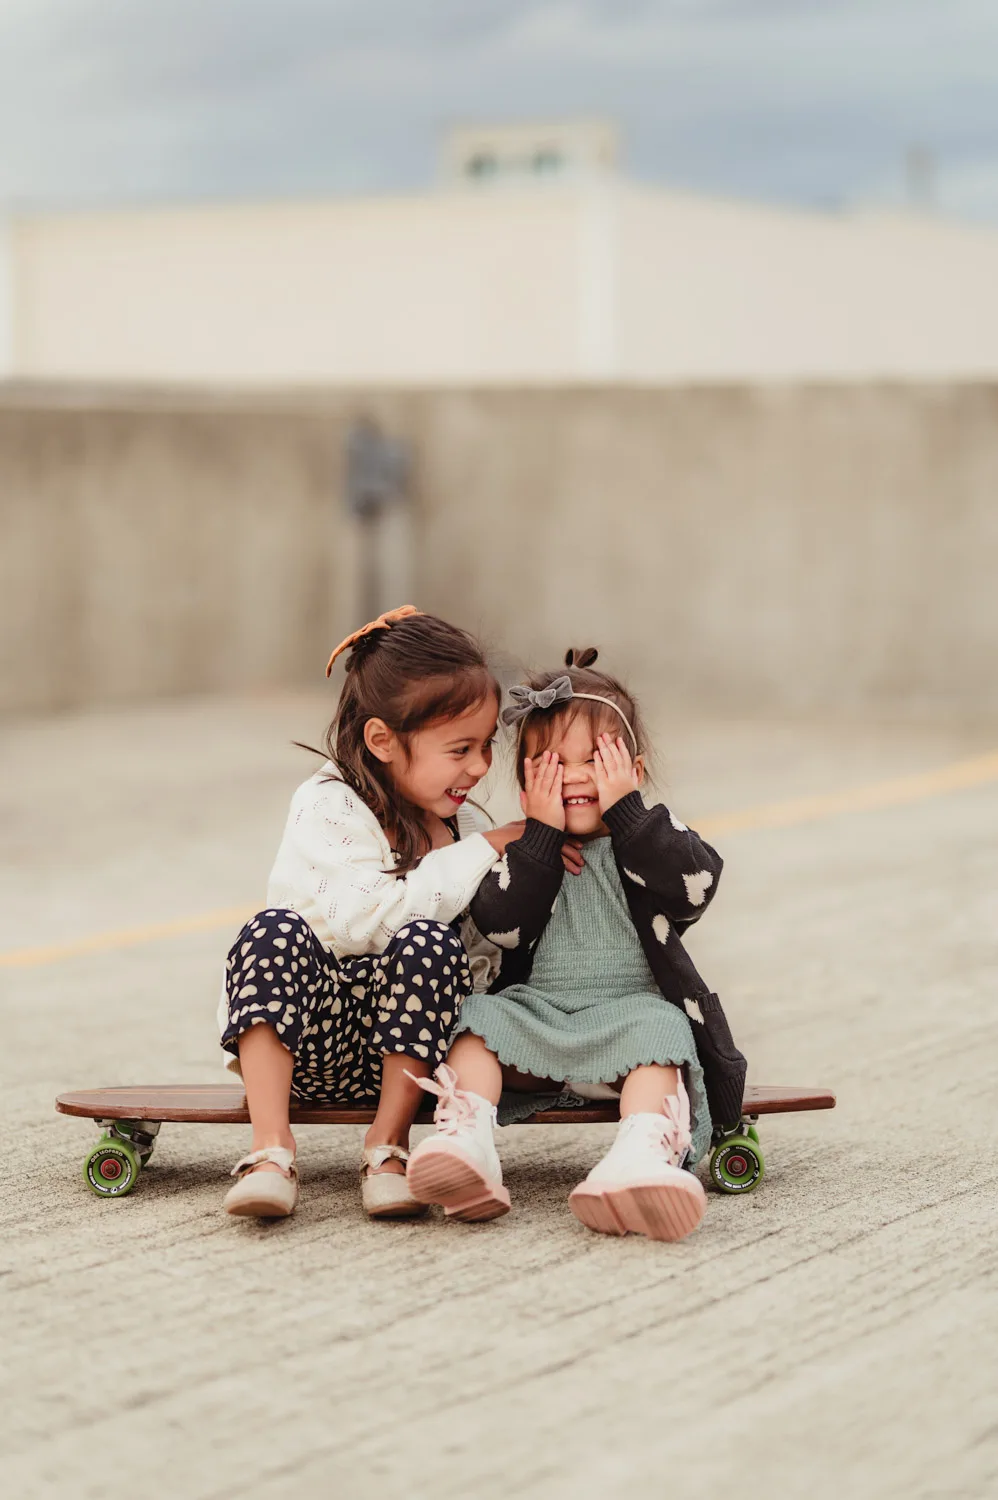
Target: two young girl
column 400, row 931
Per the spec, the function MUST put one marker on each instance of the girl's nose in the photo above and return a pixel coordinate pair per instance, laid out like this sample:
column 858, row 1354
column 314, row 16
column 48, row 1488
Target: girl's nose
column 478, row 766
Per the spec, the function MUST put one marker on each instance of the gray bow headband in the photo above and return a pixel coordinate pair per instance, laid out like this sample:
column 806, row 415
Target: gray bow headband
column 527, row 699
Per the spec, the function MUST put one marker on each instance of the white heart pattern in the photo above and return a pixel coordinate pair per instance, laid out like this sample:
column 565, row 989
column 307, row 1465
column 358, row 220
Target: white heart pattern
column 697, row 885
column 660, row 928
column 505, row 939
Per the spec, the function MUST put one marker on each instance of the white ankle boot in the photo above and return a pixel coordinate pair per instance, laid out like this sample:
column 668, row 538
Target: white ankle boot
column 458, row 1165
column 640, row 1186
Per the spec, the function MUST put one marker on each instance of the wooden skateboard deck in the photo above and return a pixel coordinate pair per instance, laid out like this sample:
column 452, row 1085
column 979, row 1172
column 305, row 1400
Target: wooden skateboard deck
column 221, row 1104
column 131, row 1118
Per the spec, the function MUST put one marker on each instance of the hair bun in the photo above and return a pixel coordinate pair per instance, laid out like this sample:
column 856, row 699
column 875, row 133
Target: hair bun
column 362, row 648
column 584, row 658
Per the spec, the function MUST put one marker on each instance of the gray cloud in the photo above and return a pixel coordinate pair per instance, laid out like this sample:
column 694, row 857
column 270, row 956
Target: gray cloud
column 812, row 101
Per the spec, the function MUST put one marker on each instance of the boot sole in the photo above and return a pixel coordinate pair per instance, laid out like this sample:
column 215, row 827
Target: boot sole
column 457, row 1185
column 659, row 1210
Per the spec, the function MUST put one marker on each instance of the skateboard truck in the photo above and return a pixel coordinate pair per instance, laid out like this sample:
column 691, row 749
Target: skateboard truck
column 112, row 1167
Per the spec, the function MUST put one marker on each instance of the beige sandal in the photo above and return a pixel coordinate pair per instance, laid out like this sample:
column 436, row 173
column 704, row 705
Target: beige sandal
column 386, row 1195
column 264, row 1195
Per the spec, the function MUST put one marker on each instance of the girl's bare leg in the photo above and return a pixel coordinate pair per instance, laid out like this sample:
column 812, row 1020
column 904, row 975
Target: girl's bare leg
column 400, row 1099
column 645, row 1088
column 478, row 1070
column 267, row 1066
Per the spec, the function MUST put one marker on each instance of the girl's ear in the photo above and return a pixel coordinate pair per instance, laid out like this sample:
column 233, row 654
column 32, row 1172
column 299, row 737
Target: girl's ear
column 639, row 768
column 380, row 740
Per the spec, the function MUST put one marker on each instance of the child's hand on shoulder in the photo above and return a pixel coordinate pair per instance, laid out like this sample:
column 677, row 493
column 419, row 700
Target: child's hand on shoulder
column 614, row 771
column 541, row 797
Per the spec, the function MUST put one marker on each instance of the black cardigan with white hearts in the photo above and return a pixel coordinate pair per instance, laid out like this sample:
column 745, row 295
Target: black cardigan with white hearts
column 669, row 875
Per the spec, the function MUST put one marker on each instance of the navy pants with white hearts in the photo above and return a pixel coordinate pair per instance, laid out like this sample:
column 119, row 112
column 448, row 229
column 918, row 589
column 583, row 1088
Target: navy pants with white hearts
column 338, row 1017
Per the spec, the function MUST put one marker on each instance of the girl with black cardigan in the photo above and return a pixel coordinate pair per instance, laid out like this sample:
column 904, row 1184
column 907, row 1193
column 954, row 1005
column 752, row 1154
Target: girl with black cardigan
column 596, row 990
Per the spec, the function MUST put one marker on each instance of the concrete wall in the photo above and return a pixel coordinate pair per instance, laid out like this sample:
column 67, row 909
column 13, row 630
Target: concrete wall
column 6, row 301
column 597, row 282
column 798, row 549
column 170, row 551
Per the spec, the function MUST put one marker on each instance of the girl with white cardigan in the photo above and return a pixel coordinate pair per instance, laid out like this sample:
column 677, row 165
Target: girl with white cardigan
column 347, row 986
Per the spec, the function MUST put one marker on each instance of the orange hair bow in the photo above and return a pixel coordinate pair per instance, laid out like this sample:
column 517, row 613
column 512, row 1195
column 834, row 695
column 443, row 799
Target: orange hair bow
column 383, row 622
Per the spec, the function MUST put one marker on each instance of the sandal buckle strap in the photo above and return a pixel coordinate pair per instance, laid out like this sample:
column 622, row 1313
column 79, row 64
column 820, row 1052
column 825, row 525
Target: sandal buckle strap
column 281, row 1157
column 376, row 1156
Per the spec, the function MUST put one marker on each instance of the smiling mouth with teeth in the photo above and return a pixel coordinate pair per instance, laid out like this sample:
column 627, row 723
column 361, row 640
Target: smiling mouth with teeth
column 579, row 801
column 457, row 793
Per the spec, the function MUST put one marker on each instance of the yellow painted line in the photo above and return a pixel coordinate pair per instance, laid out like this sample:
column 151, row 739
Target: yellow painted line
column 896, row 792
column 126, row 937
column 955, row 777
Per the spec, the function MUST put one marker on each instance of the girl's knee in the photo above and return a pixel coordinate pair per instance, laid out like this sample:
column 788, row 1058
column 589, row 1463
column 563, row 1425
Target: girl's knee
column 431, row 961
column 429, row 945
column 274, row 931
column 267, row 970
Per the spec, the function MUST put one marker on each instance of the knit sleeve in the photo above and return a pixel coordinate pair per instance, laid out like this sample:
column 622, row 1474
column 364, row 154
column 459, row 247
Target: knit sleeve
column 514, row 900
column 656, row 850
column 334, row 868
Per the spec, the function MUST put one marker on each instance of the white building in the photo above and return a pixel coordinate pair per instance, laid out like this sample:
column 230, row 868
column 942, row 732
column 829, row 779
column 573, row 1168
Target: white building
column 532, row 262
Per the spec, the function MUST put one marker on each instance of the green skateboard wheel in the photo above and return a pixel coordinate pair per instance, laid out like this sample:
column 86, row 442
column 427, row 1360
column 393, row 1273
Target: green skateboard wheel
column 737, row 1164
column 112, row 1168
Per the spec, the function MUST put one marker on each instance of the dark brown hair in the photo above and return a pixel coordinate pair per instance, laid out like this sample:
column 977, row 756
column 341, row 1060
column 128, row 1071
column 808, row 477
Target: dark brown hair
column 419, row 672
column 544, row 723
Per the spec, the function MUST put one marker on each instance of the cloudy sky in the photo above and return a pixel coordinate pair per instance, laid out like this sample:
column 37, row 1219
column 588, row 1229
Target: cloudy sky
column 807, row 101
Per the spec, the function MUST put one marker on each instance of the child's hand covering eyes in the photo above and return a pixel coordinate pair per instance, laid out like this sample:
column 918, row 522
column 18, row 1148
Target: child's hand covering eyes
column 614, row 771
column 541, row 797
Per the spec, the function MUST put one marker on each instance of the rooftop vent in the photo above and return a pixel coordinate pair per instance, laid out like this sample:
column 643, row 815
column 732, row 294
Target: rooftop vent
column 478, row 156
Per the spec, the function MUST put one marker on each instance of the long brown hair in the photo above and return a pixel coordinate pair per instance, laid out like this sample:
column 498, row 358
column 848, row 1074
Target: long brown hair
column 421, row 671
column 544, row 722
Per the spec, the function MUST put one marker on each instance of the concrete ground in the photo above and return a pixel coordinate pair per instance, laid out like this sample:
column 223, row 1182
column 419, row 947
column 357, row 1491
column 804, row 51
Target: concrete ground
column 833, row 1334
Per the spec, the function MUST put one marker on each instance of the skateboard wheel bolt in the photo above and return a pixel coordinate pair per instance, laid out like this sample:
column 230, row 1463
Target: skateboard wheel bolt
column 109, row 1167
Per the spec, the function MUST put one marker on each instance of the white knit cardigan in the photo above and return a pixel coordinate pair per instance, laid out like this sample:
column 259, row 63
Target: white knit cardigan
column 331, row 869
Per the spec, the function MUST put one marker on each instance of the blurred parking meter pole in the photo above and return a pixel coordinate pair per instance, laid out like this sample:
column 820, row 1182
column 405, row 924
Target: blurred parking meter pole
column 377, row 493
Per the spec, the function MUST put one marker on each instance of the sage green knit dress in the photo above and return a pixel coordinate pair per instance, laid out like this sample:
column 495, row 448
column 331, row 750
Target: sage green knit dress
column 591, row 1011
